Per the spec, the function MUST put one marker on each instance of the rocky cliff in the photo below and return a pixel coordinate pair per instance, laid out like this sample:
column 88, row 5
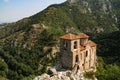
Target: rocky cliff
column 65, row 75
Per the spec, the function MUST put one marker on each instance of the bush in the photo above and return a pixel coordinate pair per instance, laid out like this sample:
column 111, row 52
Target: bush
column 89, row 74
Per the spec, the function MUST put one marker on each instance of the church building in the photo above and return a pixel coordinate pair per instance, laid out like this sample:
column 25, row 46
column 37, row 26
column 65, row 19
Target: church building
column 77, row 50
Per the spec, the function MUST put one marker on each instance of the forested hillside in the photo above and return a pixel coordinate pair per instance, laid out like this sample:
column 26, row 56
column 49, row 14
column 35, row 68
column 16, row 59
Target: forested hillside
column 28, row 47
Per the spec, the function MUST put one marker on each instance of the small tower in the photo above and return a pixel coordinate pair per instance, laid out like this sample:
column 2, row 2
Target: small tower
column 69, row 47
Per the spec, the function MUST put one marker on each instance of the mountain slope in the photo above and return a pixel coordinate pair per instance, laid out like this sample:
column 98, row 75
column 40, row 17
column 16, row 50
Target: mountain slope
column 86, row 16
column 34, row 41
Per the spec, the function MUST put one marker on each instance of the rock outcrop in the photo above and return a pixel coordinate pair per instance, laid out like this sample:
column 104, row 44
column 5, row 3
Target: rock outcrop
column 63, row 75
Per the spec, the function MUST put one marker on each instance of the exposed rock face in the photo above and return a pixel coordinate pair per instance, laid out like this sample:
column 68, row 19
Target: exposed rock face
column 72, row 1
column 53, row 71
column 59, row 76
column 63, row 75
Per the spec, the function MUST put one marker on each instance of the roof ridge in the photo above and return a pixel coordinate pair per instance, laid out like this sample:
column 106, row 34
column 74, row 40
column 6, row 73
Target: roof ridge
column 83, row 35
column 69, row 36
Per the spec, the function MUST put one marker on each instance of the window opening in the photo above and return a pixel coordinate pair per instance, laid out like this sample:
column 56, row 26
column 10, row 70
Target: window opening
column 86, row 53
column 75, row 45
column 77, row 59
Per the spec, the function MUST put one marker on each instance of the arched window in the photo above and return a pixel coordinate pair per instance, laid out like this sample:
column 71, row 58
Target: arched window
column 75, row 45
column 86, row 53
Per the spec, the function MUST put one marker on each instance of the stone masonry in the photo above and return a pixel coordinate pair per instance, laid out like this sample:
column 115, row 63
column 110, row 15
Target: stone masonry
column 77, row 50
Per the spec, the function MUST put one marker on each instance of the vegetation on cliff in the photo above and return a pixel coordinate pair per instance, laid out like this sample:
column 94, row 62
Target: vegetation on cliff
column 26, row 46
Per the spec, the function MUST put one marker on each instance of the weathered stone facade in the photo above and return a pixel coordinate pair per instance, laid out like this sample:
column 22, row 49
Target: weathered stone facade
column 77, row 50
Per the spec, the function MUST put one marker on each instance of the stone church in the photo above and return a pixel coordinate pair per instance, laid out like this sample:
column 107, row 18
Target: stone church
column 77, row 50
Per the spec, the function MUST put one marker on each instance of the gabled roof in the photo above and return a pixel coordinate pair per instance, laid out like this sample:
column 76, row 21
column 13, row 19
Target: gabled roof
column 69, row 36
column 82, row 35
column 91, row 43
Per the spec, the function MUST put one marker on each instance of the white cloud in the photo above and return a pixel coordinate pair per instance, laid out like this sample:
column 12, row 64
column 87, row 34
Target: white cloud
column 6, row 0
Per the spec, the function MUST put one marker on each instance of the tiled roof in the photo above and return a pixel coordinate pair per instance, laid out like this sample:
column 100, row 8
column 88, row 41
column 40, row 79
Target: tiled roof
column 82, row 48
column 82, row 35
column 69, row 37
column 91, row 43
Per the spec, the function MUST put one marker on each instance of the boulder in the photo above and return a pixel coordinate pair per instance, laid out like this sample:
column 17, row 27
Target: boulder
column 43, row 77
column 52, row 71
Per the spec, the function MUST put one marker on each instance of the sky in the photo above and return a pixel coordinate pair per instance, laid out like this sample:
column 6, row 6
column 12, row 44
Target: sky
column 14, row 10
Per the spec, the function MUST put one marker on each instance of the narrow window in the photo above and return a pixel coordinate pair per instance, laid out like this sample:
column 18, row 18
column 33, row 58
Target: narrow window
column 75, row 45
column 77, row 59
column 77, row 67
column 86, row 53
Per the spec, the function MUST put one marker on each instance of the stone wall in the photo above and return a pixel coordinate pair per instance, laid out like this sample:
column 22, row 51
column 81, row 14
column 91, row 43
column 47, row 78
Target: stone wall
column 71, row 54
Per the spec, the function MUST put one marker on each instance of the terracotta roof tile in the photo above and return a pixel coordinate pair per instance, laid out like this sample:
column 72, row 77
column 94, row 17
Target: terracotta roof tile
column 69, row 36
column 91, row 43
column 82, row 35
column 82, row 48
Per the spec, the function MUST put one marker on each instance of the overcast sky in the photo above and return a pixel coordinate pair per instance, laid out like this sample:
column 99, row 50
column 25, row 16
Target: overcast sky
column 13, row 10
